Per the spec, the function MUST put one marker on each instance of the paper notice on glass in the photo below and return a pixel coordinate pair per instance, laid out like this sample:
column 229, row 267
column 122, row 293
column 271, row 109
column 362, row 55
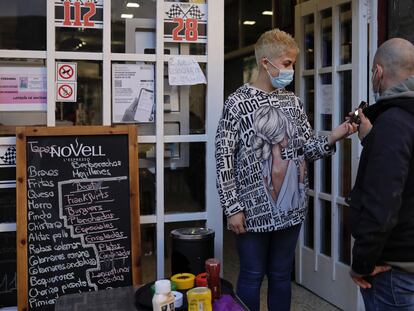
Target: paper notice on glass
column 326, row 98
column 23, row 88
column 133, row 93
column 185, row 71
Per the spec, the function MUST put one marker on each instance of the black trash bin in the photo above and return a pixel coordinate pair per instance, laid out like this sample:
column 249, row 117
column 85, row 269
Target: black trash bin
column 191, row 247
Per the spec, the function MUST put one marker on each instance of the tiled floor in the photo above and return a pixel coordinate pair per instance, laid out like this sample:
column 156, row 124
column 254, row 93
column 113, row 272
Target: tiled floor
column 302, row 299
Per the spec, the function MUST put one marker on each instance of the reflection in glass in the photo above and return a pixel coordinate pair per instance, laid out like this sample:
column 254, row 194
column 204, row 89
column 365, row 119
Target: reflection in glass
column 87, row 110
column 309, row 42
column 346, row 33
column 133, row 28
column 326, row 40
column 326, row 169
column 344, row 235
column 345, row 93
column 184, row 108
column 79, row 39
column 325, row 227
column 309, row 223
column 147, row 173
column 326, row 101
column 345, row 155
column 7, row 205
column 310, row 99
column 184, row 177
column 23, row 24
column 148, row 255
column 167, row 238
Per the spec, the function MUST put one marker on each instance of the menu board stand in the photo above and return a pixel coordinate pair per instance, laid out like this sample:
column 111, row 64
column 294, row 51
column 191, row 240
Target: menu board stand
column 77, row 211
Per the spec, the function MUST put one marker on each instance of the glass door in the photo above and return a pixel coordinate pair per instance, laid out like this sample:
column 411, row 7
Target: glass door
column 331, row 80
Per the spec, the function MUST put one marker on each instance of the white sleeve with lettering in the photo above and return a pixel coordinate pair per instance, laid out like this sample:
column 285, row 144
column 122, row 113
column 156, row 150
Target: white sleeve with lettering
column 315, row 147
column 227, row 137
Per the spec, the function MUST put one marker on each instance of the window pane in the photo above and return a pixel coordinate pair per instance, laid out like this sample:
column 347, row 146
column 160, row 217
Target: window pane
column 309, row 100
column 309, row 223
column 184, row 108
column 133, row 95
column 326, row 170
column 167, row 238
column 23, row 24
column 81, row 29
column 8, row 286
column 325, row 101
column 7, row 205
column 133, row 28
column 344, row 235
column 346, row 93
column 309, row 42
column 325, row 227
column 311, row 174
column 184, row 177
column 346, row 33
column 148, row 248
column 326, row 40
column 147, row 173
column 345, row 155
column 88, row 108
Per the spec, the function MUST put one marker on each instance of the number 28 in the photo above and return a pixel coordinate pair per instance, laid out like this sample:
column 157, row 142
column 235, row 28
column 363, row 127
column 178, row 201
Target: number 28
column 190, row 26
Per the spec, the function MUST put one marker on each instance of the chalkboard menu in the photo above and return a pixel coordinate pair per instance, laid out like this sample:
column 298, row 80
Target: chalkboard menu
column 77, row 218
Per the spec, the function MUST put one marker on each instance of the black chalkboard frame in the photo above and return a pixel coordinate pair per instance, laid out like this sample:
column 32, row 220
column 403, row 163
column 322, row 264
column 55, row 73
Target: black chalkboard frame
column 22, row 133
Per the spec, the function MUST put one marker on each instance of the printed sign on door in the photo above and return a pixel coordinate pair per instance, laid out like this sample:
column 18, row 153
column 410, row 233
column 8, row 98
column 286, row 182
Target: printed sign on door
column 79, row 13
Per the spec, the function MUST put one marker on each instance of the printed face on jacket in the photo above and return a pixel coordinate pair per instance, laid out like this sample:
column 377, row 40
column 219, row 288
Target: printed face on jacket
column 283, row 178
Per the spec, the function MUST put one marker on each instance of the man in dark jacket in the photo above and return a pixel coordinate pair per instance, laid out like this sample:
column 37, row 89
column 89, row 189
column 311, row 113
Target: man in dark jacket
column 382, row 200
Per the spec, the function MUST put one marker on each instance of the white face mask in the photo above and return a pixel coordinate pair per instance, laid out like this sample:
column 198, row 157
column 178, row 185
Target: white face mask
column 284, row 78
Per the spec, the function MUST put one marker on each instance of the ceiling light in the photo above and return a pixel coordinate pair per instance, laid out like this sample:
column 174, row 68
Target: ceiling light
column 267, row 13
column 127, row 15
column 132, row 5
column 249, row 23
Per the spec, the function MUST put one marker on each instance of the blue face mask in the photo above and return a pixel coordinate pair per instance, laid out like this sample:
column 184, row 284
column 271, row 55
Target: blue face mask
column 284, row 78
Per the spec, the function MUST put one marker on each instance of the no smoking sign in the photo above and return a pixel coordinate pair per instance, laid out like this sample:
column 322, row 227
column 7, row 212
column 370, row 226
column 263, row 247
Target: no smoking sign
column 66, row 72
column 66, row 91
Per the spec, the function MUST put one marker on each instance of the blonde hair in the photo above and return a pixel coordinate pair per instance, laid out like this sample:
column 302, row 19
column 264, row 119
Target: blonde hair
column 273, row 44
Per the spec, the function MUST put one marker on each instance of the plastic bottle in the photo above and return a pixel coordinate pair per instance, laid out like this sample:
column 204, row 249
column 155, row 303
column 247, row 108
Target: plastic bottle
column 213, row 277
column 199, row 299
column 163, row 299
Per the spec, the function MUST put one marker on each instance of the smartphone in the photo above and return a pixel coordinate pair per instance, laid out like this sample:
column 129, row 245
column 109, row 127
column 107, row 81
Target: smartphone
column 355, row 117
column 145, row 107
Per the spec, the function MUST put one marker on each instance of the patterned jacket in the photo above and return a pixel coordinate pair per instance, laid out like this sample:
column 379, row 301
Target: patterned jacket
column 263, row 142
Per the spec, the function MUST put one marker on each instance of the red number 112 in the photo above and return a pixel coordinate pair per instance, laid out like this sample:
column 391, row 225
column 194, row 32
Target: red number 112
column 77, row 14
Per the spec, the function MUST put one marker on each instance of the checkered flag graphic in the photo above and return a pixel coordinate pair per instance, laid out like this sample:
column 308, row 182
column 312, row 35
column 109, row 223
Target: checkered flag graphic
column 195, row 12
column 175, row 11
column 9, row 156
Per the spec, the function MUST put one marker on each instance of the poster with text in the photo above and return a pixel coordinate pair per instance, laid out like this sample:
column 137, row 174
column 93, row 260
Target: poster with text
column 185, row 22
column 79, row 13
column 23, row 89
column 133, row 98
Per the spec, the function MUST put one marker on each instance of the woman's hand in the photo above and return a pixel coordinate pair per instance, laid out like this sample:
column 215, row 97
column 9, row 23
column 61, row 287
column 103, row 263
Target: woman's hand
column 236, row 223
column 342, row 131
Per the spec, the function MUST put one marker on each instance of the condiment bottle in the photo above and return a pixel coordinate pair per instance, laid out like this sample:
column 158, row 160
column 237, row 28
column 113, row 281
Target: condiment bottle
column 163, row 299
column 212, row 266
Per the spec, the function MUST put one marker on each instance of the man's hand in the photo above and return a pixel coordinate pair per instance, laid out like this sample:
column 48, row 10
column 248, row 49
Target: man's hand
column 236, row 223
column 361, row 282
column 365, row 125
